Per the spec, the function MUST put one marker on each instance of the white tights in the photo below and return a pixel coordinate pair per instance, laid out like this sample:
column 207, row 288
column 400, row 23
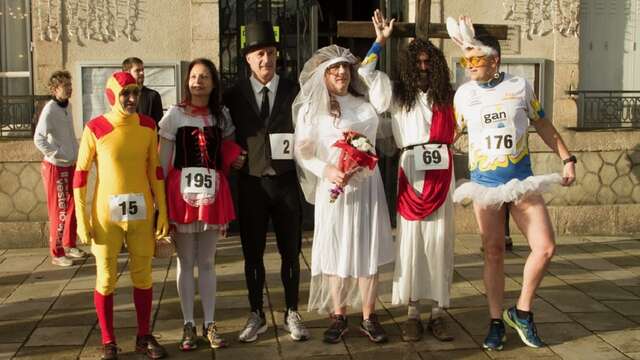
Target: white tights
column 200, row 247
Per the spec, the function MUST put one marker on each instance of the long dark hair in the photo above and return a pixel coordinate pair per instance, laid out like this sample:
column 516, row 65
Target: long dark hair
column 215, row 98
column 439, row 81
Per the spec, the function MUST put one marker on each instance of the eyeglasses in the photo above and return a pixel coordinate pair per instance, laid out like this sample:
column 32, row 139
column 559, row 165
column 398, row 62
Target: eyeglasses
column 473, row 61
column 333, row 69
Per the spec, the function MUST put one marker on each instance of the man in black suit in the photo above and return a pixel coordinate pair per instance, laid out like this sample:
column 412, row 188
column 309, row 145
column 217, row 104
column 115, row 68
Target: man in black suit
column 149, row 101
column 268, row 188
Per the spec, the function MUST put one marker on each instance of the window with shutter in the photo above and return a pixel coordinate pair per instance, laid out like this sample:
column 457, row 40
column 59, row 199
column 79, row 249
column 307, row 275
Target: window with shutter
column 609, row 89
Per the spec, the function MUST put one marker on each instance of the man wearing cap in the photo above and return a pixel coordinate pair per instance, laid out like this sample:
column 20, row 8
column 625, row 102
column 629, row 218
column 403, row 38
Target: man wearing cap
column 268, row 188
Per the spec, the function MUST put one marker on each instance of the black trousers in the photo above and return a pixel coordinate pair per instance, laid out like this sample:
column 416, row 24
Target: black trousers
column 276, row 198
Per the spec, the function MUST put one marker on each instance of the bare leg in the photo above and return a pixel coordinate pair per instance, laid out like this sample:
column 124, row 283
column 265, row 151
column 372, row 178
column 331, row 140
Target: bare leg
column 368, row 290
column 337, row 295
column 508, row 243
column 533, row 220
column 491, row 225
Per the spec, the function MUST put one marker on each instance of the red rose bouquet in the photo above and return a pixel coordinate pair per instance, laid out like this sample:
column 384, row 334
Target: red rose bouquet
column 356, row 155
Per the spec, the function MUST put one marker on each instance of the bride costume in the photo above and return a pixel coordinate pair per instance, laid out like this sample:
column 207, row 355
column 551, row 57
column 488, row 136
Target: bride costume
column 352, row 236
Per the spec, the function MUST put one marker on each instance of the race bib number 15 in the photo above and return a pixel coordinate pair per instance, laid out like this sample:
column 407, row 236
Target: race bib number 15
column 127, row 207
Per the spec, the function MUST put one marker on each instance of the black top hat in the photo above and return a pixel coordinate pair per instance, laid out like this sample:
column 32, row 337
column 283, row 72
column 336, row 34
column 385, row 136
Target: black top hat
column 258, row 35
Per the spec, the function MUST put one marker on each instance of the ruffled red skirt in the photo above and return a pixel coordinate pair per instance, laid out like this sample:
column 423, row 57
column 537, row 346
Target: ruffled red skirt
column 219, row 212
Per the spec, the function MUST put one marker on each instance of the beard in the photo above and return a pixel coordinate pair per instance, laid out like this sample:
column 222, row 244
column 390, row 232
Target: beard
column 423, row 80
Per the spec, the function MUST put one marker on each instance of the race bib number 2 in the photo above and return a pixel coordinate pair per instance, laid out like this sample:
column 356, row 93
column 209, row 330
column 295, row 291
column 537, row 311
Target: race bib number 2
column 127, row 207
column 431, row 157
column 281, row 146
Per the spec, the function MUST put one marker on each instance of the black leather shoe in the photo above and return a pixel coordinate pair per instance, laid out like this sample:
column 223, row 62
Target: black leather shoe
column 149, row 346
column 109, row 351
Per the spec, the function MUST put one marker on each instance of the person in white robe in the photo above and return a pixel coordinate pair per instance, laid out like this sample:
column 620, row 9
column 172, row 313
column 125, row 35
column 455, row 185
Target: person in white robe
column 423, row 126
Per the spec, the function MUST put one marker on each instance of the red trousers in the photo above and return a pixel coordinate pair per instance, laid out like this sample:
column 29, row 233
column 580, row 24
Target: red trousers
column 58, row 181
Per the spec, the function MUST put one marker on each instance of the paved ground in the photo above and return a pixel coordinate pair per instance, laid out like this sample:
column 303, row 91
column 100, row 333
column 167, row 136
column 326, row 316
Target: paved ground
column 588, row 308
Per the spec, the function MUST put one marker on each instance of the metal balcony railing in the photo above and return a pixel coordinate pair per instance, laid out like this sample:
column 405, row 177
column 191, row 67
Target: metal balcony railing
column 19, row 115
column 607, row 109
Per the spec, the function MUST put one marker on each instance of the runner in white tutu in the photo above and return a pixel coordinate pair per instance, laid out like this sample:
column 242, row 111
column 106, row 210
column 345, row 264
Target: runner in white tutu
column 497, row 108
column 423, row 127
column 352, row 234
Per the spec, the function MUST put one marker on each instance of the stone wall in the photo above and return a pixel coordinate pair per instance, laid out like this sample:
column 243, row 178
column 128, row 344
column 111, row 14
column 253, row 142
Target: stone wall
column 168, row 31
column 23, row 203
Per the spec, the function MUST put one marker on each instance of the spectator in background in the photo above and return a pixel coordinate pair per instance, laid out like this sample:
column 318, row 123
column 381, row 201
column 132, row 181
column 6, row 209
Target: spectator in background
column 55, row 138
column 150, row 102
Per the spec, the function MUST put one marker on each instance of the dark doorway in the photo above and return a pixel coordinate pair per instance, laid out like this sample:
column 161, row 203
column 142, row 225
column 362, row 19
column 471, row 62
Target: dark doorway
column 304, row 26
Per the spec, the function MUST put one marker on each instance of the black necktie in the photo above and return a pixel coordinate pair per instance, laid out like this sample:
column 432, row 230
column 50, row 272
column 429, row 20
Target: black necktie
column 264, row 108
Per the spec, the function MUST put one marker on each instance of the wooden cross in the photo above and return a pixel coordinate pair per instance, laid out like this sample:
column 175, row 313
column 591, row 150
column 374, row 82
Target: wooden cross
column 421, row 29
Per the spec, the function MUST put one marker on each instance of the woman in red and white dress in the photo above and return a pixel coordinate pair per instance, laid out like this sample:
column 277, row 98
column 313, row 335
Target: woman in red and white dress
column 197, row 152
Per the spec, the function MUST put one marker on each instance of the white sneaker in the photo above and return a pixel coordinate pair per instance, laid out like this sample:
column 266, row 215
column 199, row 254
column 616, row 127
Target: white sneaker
column 61, row 261
column 255, row 326
column 75, row 253
column 295, row 327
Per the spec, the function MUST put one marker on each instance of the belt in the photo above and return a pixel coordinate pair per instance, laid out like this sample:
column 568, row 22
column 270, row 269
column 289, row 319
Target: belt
column 411, row 147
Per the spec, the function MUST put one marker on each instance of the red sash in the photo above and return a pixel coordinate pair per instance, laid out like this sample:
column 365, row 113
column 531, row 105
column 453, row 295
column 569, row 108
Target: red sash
column 413, row 206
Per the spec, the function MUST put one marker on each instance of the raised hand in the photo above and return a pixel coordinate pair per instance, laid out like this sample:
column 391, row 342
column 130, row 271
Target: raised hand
column 383, row 26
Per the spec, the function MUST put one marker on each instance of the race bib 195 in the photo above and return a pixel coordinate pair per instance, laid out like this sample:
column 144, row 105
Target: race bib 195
column 431, row 157
column 127, row 207
column 198, row 180
column 281, row 146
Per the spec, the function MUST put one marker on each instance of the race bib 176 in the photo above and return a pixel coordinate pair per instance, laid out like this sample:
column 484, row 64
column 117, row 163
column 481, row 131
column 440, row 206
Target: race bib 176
column 499, row 141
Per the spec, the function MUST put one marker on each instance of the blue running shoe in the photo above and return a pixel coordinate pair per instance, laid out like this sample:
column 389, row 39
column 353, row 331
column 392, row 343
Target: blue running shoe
column 525, row 327
column 496, row 337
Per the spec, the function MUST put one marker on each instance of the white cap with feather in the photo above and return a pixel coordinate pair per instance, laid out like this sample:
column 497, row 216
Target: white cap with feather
column 463, row 34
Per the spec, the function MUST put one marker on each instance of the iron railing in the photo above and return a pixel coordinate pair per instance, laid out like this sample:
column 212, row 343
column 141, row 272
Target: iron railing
column 607, row 109
column 19, row 115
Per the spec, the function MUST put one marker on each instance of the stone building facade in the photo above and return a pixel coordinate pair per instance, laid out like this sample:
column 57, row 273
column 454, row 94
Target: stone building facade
column 605, row 199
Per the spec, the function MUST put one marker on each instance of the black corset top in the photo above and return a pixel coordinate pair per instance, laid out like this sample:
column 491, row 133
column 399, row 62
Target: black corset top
column 196, row 147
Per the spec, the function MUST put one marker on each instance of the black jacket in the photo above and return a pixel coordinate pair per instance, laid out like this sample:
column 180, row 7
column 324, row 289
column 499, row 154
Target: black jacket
column 250, row 131
column 150, row 104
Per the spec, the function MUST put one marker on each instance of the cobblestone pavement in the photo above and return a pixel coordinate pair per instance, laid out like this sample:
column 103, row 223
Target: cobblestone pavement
column 588, row 307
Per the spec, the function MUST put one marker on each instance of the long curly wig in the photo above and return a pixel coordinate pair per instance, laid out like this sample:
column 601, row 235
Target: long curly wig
column 438, row 79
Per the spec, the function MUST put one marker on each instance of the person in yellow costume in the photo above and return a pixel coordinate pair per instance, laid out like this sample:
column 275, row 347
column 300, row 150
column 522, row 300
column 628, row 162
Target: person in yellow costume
column 129, row 182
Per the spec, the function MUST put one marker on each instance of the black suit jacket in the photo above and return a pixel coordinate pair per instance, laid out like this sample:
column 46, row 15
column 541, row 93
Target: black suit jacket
column 150, row 104
column 250, row 130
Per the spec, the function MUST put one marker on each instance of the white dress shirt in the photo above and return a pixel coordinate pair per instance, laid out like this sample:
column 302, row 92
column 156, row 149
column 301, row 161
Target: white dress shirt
column 257, row 90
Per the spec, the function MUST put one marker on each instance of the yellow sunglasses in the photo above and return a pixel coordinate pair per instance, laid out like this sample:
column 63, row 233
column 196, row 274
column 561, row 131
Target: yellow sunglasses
column 474, row 61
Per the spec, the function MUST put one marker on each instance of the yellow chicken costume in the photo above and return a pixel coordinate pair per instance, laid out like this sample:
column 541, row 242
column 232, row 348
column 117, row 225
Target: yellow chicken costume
column 129, row 182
